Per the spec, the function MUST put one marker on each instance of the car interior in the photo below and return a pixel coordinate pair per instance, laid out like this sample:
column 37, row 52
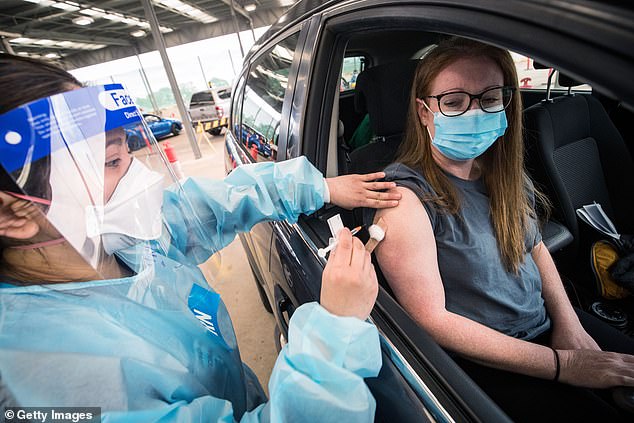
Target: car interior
column 578, row 147
column 578, row 150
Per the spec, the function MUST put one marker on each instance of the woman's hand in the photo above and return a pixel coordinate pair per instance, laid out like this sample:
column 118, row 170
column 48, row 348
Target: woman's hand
column 349, row 286
column 351, row 191
column 596, row 369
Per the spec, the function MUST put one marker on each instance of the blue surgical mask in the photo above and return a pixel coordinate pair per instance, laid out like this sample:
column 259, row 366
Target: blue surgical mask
column 469, row 135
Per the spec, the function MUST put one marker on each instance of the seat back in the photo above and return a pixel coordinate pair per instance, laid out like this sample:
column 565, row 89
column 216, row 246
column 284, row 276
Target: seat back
column 382, row 92
column 577, row 156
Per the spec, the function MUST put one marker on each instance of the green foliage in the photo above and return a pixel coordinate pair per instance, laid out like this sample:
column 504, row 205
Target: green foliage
column 165, row 98
column 219, row 83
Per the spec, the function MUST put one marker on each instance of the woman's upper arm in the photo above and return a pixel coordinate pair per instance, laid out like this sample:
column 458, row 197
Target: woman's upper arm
column 408, row 258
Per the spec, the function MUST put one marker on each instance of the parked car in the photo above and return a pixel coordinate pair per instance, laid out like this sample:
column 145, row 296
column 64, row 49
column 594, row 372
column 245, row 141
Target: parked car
column 291, row 80
column 161, row 127
column 210, row 108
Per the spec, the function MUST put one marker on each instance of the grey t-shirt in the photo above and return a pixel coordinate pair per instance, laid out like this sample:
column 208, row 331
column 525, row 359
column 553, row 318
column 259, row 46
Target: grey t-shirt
column 476, row 283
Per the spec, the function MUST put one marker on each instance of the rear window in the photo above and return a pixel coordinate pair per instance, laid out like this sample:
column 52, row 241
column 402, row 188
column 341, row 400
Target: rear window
column 224, row 94
column 537, row 79
column 352, row 67
column 202, row 97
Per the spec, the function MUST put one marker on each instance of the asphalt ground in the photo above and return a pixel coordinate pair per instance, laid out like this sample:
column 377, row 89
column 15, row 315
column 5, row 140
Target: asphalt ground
column 229, row 272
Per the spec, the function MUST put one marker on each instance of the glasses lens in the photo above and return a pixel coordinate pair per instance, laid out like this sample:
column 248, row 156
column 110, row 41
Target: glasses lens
column 453, row 104
column 496, row 99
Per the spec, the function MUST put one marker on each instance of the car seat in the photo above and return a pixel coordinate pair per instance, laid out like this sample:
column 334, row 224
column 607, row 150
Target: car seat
column 382, row 92
column 577, row 156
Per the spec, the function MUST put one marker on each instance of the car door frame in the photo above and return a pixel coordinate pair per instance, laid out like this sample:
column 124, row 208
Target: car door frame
column 278, row 295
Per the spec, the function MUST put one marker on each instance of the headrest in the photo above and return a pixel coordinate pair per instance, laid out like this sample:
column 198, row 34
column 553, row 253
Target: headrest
column 383, row 92
column 340, row 129
column 563, row 80
column 538, row 65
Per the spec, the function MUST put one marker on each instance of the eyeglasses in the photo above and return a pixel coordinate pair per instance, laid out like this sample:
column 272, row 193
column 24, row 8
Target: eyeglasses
column 456, row 103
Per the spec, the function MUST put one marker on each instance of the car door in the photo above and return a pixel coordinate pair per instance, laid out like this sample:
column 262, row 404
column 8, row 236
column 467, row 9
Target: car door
column 156, row 125
column 263, row 97
column 164, row 126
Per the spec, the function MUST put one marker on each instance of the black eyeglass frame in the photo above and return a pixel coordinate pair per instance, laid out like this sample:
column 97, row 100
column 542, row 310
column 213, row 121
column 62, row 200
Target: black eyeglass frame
column 508, row 88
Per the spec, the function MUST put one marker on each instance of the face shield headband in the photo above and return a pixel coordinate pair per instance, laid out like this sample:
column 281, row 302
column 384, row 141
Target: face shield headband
column 69, row 151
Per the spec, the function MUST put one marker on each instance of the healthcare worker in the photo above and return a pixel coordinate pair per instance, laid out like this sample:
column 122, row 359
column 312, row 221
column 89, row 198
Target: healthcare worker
column 101, row 300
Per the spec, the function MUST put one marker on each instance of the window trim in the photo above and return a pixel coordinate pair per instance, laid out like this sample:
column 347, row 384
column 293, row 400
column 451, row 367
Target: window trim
column 299, row 29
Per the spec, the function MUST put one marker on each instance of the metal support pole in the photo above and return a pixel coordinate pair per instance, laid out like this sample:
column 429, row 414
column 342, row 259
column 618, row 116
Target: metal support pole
column 7, row 46
column 150, row 95
column 202, row 70
column 233, row 66
column 160, row 46
column 148, row 87
column 235, row 23
column 252, row 30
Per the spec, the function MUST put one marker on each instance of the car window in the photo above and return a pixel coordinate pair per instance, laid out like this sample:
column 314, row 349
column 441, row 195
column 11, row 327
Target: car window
column 528, row 77
column 151, row 118
column 264, row 92
column 202, row 97
column 224, row 94
column 537, row 79
column 352, row 67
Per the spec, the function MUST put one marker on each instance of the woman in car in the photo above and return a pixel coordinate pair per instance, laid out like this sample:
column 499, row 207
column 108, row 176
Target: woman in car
column 477, row 275
column 101, row 300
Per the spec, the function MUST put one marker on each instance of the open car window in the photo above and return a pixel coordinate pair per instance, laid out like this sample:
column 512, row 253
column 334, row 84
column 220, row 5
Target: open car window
column 531, row 78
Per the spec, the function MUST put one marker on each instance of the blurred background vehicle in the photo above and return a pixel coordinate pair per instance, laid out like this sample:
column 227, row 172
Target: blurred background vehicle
column 161, row 127
column 211, row 105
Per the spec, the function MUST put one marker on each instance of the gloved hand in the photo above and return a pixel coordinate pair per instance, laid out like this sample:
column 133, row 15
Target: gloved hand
column 623, row 271
column 351, row 191
column 626, row 242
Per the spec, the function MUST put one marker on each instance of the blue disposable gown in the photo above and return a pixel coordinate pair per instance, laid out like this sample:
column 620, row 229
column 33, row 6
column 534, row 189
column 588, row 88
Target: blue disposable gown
column 159, row 346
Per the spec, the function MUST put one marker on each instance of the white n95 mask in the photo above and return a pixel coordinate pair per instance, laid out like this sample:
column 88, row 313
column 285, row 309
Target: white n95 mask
column 133, row 213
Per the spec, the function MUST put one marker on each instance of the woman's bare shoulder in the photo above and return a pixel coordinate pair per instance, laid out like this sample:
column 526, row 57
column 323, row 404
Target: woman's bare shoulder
column 408, row 222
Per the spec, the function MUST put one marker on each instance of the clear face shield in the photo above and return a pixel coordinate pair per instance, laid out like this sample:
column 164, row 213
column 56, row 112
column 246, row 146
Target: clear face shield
column 67, row 158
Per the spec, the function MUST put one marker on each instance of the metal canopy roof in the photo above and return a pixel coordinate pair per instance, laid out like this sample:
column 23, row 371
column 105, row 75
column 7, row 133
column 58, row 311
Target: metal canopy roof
column 114, row 29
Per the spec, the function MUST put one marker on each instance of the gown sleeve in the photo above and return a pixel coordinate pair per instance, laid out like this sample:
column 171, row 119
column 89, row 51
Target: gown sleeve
column 318, row 376
column 205, row 215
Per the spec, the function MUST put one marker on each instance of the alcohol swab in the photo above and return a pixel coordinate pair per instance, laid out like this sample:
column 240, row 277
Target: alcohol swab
column 323, row 251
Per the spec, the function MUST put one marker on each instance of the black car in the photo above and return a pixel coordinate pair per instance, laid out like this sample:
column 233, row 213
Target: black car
column 575, row 62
